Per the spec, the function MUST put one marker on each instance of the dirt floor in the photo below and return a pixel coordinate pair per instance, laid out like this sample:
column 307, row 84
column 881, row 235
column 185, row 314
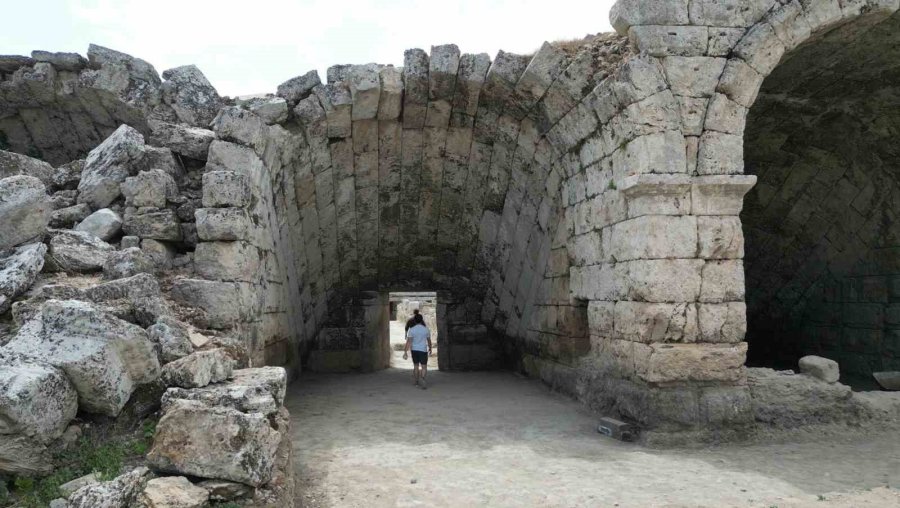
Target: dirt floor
column 497, row 439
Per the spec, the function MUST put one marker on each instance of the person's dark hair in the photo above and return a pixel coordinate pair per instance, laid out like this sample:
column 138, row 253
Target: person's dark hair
column 418, row 319
column 415, row 312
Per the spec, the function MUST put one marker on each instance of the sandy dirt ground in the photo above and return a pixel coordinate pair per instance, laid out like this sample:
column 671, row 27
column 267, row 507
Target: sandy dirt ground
column 497, row 439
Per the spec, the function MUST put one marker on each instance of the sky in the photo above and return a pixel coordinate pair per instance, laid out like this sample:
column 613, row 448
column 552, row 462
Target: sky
column 247, row 47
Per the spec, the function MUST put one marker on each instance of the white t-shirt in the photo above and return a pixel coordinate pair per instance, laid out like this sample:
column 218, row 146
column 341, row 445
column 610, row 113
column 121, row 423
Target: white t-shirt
column 419, row 335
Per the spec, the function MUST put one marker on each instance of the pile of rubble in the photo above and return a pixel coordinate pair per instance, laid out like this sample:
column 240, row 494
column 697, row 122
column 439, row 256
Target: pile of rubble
column 90, row 251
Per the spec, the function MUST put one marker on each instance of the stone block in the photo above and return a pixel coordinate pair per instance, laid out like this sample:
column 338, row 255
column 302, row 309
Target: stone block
column 720, row 194
column 191, row 142
column 628, row 13
column 720, row 154
column 226, row 261
column 663, row 152
column 390, row 102
column 36, row 399
column 820, row 368
column 104, row 224
column 664, row 41
column 654, row 237
column 223, row 224
column 667, row 363
column 18, row 271
column 149, row 188
column 24, row 209
column 760, row 48
column 157, row 224
column 740, row 82
column 298, row 88
column 722, row 322
column 173, row 491
column 726, row 406
column 77, row 251
column 601, row 318
column 736, row 13
column 693, row 76
column 365, row 91
column 660, row 280
column 725, row 115
column 723, row 281
column 225, row 188
column 656, row 194
column 106, row 167
column 720, row 237
column 655, row 322
column 198, row 369
column 224, row 303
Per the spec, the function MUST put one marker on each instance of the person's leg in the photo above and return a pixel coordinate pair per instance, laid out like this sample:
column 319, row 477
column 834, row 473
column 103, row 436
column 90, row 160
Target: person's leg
column 415, row 373
column 424, row 371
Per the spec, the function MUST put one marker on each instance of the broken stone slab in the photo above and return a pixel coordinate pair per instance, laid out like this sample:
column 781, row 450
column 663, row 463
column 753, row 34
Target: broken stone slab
column 78, row 251
column 127, row 262
column 21, row 455
column 160, row 253
column 11, row 63
column 18, row 272
column 192, row 142
column 296, row 89
column 12, row 164
column 240, row 126
column 225, row 188
column 198, row 369
column 105, row 224
column 173, row 339
column 136, row 299
column 787, row 399
column 69, row 216
column 820, row 368
column 272, row 110
column 121, row 492
column 253, row 390
column 154, row 223
column 191, row 95
column 36, row 399
column 222, row 224
column 214, row 442
column 24, row 210
column 173, row 492
column 72, row 62
column 63, row 199
column 70, row 487
column 107, row 166
column 888, row 380
column 151, row 188
column 103, row 356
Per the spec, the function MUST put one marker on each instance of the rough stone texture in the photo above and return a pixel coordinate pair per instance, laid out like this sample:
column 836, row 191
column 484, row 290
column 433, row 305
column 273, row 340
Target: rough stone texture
column 18, row 271
column 222, row 302
column 108, row 165
column 225, row 188
column 69, row 216
column 192, row 97
column 24, row 208
column 173, row 339
column 223, row 443
column 255, row 390
column 820, row 368
column 791, row 400
column 78, row 251
column 173, row 492
column 36, row 399
column 105, row 224
column 190, row 142
column 198, row 369
column 12, row 164
column 153, row 223
column 104, row 357
column 223, row 224
column 121, row 492
column 126, row 263
column 149, row 189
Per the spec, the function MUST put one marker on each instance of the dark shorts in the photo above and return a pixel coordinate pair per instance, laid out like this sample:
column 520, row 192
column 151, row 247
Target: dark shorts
column 420, row 357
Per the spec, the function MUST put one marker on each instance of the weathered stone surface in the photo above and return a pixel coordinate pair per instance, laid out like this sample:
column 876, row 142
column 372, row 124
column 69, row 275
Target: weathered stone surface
column 790, row 400
column 18, row 271
column 149, row 188
column 105, row 224
column 227, row 261
column 157, row 224
column 223, row 443
column 296, row 89
column 78, row 251
column 191, row 95
column 70, row 487
column 36, row 399
column 188, row 141
column 172, row 338
column 24, row 209
column 222, row 302
column 198, row 369
column 225, row 188
column 627, row 13
column 238, row 125
column 104, row 357
column 106, row 167
column 72, row 62
column 173, row 492
column 121, row 492
column 255, row 390
column 127, row 262
column 660, row 363
column 160, row 253
column 24, row 456
column 272, row 110
column 221, row 490
column 820, row 368
column 69, row 216
column 12, row 164
column 63, row 199
column 222, row 224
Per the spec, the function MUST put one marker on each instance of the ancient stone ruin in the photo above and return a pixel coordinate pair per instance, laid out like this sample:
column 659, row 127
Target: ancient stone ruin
column 631, row 218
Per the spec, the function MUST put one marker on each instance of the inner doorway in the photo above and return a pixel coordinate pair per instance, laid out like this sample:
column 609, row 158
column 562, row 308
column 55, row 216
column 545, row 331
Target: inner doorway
column 402, row 307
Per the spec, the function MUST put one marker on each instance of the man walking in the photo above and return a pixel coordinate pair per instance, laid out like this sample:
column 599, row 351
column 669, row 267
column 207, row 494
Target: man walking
column 411, row 322
column 418, row 339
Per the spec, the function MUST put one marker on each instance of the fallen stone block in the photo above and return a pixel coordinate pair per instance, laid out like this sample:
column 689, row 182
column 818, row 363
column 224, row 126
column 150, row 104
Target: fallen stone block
column 254, row 390
column 69, row 216
column 24, row 210
column 172, row 338
column 820, row 368
column 121, row 492
column 36, row 399
column 191, row 95
column 104, row 224
column 190, row 142
column 151, row 188
column 127, row 263
column 78, row 251
column 198, row 369
column 157, row 224
column 221, row 443
column 107, row 166
column 12, row 164
column 70, row 487
column 224, row 491
column 22, row 455
column 18, row 272
column 103, row 356
column 786, row 399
